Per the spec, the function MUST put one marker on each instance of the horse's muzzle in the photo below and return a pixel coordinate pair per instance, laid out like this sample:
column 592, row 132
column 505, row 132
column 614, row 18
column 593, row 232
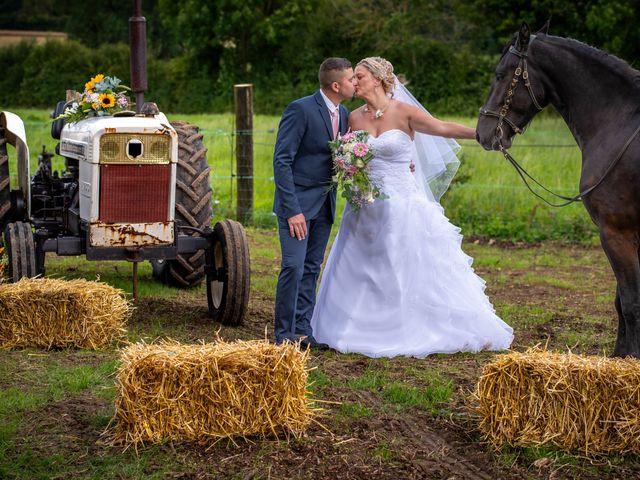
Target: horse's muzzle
column 492, row 142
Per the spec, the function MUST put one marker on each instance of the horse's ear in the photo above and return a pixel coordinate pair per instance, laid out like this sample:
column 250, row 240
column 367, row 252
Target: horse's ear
column 522, row 42
column 545, row 27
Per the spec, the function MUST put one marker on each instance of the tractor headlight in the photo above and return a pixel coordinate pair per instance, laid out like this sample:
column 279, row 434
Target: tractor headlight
column 135, row 148
column 109, row 150
column 159, row 148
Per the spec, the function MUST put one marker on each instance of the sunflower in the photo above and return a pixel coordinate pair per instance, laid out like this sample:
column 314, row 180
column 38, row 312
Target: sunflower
column 97, row 79
column 89, row 86
column 107, row 100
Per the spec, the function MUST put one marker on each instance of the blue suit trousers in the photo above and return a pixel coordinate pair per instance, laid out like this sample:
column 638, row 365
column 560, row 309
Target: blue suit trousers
column 300, row 268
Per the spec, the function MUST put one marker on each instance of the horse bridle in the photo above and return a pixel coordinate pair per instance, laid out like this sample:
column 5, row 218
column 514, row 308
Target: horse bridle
column 521, row 70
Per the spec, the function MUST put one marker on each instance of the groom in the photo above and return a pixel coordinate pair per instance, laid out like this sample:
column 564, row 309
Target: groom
column 304, row 204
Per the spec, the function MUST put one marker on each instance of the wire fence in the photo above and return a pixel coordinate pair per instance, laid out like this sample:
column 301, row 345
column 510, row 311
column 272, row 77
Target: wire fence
column 552, row 160
column 224, row 176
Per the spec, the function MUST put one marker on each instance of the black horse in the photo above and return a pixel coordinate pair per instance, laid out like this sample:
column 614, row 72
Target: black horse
column 598, row 95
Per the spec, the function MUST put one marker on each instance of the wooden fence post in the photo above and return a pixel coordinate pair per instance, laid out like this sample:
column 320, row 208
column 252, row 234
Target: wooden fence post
column 243, row 96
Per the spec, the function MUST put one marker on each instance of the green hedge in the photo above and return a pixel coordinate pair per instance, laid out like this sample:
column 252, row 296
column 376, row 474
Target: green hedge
column 447, row 80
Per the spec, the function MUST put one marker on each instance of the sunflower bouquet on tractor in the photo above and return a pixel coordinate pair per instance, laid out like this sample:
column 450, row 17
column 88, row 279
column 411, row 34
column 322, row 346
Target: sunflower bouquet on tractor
column 103, row 95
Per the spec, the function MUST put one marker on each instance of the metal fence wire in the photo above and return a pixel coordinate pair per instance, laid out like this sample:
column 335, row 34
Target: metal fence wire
column 226, row 179
column 228, row 182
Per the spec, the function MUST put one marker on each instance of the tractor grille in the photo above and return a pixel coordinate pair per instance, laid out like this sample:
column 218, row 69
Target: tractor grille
column 134, row 193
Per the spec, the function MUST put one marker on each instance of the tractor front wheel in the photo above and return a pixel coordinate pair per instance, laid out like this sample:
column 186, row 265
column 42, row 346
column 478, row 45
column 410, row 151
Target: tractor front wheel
column 228, row 283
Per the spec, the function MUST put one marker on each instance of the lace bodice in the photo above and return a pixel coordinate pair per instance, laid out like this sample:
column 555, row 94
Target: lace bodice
column 389, row 169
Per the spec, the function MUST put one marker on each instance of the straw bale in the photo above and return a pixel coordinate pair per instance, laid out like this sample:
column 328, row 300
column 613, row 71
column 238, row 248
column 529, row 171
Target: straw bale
column 52, row 313
column 175, row 392
column 584, row 404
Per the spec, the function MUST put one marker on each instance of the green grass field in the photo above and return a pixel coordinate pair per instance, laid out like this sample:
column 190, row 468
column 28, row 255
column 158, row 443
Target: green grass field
column 486, row 198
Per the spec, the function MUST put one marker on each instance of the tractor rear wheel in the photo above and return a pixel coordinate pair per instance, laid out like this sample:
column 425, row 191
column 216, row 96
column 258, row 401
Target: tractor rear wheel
column 21, row 251
column 228, row 286
column 193, row 207
column 5, row 194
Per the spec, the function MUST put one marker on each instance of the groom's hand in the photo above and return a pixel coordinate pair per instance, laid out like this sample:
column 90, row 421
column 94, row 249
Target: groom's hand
column 298, row 226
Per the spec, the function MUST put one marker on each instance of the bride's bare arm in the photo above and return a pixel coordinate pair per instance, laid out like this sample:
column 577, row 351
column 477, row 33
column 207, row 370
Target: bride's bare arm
column 423, row 123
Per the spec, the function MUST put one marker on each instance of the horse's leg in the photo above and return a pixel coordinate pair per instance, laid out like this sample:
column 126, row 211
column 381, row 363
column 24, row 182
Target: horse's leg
column 622, row 250
column 622, row 329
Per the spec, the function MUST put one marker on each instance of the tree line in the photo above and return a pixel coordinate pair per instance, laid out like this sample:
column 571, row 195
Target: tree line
column 198, row 49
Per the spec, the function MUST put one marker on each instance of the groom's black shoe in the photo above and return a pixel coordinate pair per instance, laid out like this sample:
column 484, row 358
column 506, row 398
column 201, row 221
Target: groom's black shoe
column 312, row 343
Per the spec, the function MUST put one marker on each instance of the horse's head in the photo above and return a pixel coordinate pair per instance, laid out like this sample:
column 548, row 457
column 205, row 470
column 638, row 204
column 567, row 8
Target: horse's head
column 515, row 95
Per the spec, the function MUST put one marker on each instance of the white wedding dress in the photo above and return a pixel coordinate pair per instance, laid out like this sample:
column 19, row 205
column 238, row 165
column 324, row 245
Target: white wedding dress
column 397, row 281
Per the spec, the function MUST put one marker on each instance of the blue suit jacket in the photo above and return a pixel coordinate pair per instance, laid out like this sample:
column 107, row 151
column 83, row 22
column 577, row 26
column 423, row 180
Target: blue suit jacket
column 302, row 165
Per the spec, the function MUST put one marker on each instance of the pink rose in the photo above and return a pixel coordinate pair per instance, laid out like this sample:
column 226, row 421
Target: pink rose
column 347, row 137
column 352, row 169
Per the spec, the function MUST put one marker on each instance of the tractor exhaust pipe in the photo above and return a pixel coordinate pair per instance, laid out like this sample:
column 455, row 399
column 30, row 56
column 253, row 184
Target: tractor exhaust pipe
column 138, row 53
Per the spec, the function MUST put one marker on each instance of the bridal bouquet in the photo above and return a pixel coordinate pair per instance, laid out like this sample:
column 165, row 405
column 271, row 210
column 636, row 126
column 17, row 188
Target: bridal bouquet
column 351, row 155
column 103, row 95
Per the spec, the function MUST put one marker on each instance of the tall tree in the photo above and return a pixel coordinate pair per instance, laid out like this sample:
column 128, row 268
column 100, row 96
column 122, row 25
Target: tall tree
column 607, row 24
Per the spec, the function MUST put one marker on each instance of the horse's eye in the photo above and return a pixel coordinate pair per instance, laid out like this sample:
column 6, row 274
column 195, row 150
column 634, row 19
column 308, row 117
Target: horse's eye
column 499, row 76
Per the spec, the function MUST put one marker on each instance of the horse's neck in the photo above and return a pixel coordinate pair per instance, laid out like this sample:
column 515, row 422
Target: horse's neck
column 592, row 97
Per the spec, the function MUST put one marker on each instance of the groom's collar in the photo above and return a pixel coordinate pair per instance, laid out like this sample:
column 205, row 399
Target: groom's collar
column 330, row 105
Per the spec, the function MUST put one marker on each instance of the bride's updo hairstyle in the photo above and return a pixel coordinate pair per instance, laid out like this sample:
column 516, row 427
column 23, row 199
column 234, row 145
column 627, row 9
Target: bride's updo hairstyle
column 381, row 69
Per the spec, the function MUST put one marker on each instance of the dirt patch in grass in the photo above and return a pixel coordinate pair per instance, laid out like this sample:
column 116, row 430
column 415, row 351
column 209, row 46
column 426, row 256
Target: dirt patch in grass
column 365, row 434
column 74, row 419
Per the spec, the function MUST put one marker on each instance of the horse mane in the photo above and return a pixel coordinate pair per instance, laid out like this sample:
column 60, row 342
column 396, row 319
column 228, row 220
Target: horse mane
column 609, row 60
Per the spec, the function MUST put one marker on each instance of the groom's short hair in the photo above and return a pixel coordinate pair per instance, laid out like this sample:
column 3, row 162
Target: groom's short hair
column 331, row 69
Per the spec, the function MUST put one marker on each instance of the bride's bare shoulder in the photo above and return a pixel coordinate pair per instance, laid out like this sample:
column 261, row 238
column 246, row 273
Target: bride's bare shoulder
column 355, row 118
column 357, row 112
column 403, row 107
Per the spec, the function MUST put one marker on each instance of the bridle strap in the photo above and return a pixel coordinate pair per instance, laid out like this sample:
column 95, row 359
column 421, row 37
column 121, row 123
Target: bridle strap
column 514, row 127
column 527, row 83
column 520, row 71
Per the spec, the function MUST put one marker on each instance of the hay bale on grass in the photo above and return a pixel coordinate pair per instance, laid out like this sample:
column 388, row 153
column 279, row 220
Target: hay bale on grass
column 51, row 313
column 175, row 392
column 580, row 403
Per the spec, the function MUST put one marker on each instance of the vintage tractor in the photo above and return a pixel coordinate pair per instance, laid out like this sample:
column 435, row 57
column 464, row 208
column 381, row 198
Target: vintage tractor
column 135, row 187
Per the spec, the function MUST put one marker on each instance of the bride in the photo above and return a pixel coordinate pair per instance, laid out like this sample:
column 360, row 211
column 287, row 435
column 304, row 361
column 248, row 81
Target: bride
column 397, row 281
